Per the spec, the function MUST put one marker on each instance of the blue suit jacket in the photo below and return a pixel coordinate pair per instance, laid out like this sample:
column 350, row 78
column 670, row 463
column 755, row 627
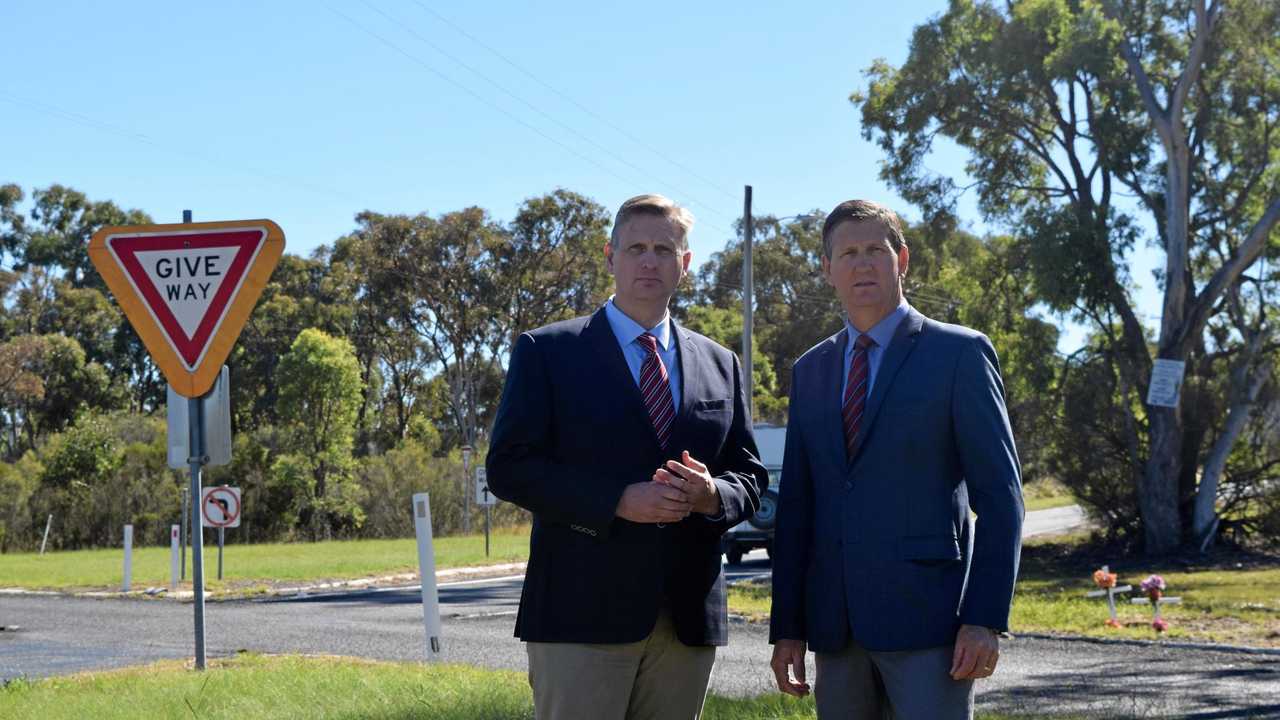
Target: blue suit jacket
column 571, row 433
column 879, row 547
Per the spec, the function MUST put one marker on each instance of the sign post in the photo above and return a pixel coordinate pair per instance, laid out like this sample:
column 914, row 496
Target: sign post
column 220, row 508
column 485, row 498
column 47, row 524
column 187, row 290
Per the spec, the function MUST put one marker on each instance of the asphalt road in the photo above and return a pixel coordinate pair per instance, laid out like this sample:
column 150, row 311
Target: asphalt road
column 61, row 635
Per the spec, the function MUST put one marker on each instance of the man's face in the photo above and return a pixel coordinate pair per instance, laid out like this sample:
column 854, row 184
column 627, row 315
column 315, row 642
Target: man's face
column 648, row 263
column 863, row 268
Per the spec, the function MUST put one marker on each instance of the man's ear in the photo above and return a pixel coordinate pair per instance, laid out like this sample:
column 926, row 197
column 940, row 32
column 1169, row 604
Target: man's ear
column 685, row 259
column 608, row 255
column 904, row 260
column 826, row 269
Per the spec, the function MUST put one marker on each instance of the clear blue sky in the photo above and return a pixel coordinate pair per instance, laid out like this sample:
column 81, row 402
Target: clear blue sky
column 309, row 112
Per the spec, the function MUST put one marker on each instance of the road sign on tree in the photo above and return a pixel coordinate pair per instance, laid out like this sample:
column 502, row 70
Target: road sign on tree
column 188, row 289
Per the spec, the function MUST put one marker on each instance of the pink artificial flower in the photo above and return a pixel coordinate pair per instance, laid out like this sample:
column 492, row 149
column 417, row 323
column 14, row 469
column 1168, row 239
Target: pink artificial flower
column 1160, row 625
column 1153, row 582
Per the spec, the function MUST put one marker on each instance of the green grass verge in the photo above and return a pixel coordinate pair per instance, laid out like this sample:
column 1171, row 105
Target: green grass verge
column 1045, row 494
column 1228, row 598
column 249, row 568
column 291, row 686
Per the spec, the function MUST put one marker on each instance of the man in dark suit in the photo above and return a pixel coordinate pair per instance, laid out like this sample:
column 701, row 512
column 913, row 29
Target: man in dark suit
column 628, row 438
column 897, row 428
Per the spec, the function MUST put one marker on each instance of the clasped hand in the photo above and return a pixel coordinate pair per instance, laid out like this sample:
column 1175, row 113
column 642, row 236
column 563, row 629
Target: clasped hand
column 677, row 489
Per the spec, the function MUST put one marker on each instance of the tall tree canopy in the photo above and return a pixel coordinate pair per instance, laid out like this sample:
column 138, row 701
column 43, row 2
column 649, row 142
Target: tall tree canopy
column 1087, row 122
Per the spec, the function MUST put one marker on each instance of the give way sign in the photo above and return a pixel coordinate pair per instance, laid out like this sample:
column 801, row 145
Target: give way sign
column 188, row 289
column 220, row 507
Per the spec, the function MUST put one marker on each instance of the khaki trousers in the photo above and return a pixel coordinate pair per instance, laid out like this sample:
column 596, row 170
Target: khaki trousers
column 658, row 678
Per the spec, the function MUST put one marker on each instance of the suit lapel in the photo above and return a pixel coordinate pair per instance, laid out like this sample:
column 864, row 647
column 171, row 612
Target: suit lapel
column 904, row 340
column 831, row 372
column 690, row 382
column 617, row 376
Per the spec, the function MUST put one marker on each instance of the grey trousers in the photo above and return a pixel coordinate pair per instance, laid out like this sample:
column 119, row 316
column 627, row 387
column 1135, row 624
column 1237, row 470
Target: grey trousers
column 856, row 683
column 656, row 678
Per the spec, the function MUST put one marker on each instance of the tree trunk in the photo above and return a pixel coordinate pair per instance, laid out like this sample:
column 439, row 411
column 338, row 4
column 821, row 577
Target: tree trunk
column 1243, row 394
column 1158, row 490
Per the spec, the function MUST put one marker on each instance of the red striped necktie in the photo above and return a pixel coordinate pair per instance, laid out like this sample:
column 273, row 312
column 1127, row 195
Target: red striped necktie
column 655, row 388
column 855, row 392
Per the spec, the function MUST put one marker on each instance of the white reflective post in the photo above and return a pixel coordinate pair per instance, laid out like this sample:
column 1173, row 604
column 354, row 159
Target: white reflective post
column 175, row 532
column 427, row 572
column 128, row 557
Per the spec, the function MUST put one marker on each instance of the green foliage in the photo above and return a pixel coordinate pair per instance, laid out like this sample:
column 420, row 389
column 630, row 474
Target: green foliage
column 724, row 325
column 106, row 471
column 320, row 394
column 1046, row 97
column 18, row 483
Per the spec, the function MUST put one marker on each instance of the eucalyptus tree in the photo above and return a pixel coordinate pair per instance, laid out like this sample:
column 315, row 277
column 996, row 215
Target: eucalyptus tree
column 1086, row 122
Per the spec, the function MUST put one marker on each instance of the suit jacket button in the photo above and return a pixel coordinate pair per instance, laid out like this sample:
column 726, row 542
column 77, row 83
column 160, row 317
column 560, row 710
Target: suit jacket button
column 848, row 484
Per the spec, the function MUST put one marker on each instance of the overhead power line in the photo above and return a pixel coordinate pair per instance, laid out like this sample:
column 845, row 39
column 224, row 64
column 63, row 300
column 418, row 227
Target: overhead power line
column 731, row 194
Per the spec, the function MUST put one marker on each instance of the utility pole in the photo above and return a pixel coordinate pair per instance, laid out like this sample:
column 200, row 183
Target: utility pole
column 748, row 297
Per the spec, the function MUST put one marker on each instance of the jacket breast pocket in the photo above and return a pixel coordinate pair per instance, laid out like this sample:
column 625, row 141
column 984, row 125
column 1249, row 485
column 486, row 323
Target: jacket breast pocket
column 718, row 405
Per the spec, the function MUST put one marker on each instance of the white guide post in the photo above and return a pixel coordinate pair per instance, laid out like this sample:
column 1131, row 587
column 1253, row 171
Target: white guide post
column 175, row 554
column 128, row 557
column 427, row 572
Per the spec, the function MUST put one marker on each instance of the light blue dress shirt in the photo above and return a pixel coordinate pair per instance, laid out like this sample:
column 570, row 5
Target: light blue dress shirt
column 627, row 330
column 882, row 332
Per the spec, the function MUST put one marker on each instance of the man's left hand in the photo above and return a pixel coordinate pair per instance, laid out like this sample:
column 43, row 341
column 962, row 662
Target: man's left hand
column 692, row 478
column 976, row 654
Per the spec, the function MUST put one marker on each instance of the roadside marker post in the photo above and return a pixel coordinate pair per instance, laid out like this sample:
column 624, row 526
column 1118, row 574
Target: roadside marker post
column 128, row 557
column 427, row 572
column 174, row 532
column 187, row 290
column 47, row 524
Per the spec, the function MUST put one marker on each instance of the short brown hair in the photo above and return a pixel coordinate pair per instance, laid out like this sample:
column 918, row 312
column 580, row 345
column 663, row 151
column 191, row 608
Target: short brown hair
column 863, row 211
column 653, row 204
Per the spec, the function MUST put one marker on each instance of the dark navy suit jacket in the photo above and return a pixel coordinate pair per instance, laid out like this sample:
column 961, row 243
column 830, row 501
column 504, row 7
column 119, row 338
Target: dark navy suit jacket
column 571, row 433
column 880, row 547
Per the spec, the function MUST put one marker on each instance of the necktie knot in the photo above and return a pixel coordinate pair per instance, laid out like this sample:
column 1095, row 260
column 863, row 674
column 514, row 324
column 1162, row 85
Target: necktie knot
column 863, row 342
column 649, row 342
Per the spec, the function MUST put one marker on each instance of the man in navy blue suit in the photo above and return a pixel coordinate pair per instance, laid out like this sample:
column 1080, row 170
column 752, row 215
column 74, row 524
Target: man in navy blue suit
column 897, row 429
column 628, row 438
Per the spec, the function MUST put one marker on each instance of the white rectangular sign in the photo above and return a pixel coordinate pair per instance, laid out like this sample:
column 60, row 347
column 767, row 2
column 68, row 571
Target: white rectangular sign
column 217, row 424
column 483, row 496
column 1166, row 382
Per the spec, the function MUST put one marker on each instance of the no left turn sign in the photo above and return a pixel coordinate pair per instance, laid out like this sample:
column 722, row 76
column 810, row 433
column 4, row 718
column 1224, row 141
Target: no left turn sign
column 220, row 507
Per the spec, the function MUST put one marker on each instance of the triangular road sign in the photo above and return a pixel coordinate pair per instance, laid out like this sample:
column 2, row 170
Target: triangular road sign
column 188, row 289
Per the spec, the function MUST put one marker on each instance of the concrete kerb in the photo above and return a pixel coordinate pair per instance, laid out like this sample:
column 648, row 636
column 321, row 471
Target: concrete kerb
column 1178, row 645
column 355, row 584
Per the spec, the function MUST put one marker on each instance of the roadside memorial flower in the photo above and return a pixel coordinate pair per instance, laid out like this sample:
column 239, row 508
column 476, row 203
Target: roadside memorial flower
column 1106, row 582
column 1153, row 586
column 1160, row 624
column 1104, row 579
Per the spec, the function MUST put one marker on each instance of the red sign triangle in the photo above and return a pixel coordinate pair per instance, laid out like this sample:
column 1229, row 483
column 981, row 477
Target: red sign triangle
column 189, row 345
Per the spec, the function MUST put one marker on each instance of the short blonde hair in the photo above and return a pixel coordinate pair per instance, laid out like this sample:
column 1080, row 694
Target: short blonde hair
column 653, row 204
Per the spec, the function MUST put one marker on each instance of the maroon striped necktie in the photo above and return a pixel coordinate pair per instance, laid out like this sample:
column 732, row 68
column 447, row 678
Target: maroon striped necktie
column 855, row 392
column 655, row 388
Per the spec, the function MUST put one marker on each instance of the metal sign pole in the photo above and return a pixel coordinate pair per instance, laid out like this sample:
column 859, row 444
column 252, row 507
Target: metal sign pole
column 182, row 534
column 221, row 533
column 486, row 529
column 195, row 420
column 195, row 413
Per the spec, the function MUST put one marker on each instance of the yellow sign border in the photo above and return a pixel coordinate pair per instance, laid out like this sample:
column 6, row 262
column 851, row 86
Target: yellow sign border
column 197, row 382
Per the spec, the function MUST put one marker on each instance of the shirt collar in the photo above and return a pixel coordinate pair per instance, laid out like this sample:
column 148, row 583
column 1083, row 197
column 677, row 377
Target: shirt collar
column 627, row 330
column 882, row 332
